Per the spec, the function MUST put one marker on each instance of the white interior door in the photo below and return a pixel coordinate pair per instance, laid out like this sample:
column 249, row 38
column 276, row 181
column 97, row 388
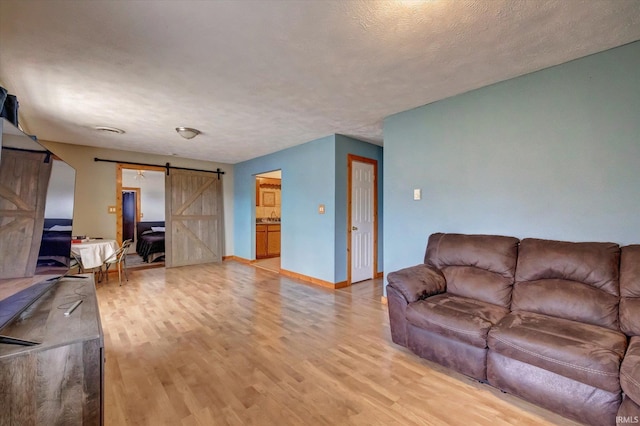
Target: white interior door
column 362, row 221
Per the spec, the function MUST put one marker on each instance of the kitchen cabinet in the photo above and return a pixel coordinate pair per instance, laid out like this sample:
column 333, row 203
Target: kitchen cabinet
column 267, row 240
column 261, row 241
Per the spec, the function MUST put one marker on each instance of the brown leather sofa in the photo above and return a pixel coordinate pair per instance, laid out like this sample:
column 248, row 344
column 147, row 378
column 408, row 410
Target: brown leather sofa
column 535, row 318
column 629, row 412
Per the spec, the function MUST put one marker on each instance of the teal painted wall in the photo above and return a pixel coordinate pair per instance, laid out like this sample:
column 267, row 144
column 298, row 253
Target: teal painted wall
column 553, row 154
column 345, row 146
column 312, row 173
column 308, row 179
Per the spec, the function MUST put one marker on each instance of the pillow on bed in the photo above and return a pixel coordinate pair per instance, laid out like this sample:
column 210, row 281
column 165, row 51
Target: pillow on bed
column 157, row 228
column 61, row 228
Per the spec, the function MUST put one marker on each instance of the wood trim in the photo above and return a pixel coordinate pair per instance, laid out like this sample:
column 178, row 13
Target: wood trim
column 379, row 274
column 237, row 259
column 269, row 183
column 291, row 274
column 350, row 159
column 341, row 284
column 257, row 191
column 119, row 168
column 312, row 280
column 384, row 300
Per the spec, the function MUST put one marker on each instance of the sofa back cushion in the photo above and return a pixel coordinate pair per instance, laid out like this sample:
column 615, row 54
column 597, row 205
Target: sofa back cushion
column 575, row 281
column 630, row 290
column 480, row 267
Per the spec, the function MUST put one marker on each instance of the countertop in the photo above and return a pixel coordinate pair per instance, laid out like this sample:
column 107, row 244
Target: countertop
column 267, row 221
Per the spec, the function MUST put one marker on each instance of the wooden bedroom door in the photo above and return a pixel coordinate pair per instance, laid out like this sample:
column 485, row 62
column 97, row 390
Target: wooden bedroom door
column 194, row 218
column 24, row 177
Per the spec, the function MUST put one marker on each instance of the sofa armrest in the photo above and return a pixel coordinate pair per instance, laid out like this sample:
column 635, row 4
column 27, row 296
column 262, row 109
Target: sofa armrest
column 417, row 282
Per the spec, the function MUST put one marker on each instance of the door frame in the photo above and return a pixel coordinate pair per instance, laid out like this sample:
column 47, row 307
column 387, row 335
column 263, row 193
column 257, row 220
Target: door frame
column 119, row 188
column 350, row 159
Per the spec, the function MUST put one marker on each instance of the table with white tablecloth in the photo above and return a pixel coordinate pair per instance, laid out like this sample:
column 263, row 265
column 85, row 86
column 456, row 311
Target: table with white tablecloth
column 93, row 253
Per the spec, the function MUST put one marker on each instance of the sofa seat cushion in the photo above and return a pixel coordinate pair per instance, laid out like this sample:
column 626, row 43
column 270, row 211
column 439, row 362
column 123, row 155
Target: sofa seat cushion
column 630, row 370
column 455, row 317
column 586, row 353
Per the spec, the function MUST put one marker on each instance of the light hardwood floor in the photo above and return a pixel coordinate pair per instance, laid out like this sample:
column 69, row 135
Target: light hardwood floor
column 232, row 344
column 271, row 264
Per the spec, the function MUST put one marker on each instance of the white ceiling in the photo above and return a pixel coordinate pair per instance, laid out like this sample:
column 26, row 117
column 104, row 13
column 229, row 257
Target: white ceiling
column 258, row 76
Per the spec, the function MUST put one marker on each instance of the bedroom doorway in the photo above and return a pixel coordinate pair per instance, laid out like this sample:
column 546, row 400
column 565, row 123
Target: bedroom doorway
column 140, row 213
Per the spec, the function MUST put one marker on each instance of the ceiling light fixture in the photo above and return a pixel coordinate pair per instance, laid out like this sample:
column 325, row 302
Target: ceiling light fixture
column 187, row 132
column 109, row 129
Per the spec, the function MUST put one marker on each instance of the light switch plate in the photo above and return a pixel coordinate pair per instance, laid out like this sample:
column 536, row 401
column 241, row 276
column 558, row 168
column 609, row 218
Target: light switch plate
column 321, row 209
column 111, row 209
column 417, row 194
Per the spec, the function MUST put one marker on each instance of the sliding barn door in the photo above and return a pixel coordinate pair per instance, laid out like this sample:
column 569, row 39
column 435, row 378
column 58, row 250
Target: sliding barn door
column 24, row 178
column 194, row 218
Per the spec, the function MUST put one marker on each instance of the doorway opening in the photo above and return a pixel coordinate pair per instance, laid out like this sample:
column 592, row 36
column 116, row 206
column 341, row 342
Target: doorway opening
column 268, row 208
column 362, row 218
column 140, row 210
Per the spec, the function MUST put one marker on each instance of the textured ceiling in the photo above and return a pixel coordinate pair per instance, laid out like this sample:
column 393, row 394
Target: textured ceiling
column 259, row 76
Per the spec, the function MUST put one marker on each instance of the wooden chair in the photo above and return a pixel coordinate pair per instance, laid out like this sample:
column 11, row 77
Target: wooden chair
column 119, row 258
